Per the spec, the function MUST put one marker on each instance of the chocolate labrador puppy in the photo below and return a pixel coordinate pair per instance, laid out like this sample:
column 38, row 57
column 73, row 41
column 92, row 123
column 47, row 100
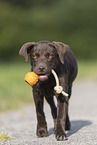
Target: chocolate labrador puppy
column 45, row 56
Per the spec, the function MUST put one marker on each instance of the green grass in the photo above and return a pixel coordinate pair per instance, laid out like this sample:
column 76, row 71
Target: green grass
column 14, row 92
column 4, row 136
column 87, row 70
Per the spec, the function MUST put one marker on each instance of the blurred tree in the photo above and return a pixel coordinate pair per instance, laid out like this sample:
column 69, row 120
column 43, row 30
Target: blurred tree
column 30, row 3
column 73, row 22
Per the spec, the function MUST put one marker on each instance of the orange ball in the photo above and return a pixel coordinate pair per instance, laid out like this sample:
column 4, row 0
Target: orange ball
column 31, row 78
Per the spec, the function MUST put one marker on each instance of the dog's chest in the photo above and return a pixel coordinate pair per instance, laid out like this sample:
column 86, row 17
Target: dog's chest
column 48, row 88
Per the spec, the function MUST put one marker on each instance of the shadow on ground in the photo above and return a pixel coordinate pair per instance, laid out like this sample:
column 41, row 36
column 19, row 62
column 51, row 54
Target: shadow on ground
column 76, row 125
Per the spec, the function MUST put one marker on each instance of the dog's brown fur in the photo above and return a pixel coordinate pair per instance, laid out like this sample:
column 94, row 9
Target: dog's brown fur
column 45, row 56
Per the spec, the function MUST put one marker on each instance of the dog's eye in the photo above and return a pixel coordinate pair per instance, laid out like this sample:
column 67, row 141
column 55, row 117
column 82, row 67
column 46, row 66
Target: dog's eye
column 36, row 56
column 49, row 56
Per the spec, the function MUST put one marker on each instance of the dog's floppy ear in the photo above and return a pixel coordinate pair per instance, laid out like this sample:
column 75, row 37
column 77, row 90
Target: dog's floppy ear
column 26, row 49
column 62, row 50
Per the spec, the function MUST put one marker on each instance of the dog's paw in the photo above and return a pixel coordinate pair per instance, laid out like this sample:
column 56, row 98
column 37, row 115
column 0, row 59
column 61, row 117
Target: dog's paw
column 60, row 135
column 42, row 132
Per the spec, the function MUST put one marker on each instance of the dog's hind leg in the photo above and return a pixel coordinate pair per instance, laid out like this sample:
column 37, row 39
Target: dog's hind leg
column 68, row 125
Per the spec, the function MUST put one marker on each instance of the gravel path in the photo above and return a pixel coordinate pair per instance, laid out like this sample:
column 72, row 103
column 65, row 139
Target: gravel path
column 21, row 125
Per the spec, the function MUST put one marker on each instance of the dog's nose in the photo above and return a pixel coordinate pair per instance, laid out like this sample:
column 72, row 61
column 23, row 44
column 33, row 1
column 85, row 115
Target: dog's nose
column 41, row 68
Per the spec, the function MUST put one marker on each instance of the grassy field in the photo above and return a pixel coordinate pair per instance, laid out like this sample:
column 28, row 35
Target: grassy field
column 87, row 70
column 14, row 92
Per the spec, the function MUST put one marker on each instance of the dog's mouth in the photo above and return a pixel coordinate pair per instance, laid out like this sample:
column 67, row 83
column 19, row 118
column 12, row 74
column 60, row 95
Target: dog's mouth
column 43, row 77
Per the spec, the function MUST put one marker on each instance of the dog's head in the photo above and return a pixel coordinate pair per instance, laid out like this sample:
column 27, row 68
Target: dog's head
column 44, row 56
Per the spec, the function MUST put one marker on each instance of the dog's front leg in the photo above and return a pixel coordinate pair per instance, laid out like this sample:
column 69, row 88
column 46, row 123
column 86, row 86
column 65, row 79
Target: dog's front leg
column 62, row 108
column 41, row 123
column 61, row 121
